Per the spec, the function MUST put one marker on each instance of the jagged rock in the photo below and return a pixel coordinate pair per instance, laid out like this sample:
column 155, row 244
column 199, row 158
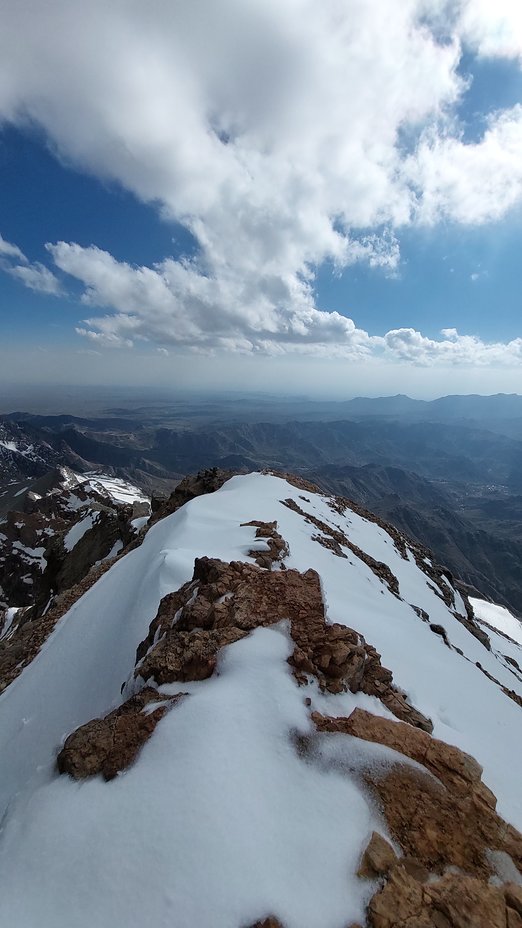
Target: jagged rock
column 454, row 901
column 443, row 817
column 206, row 481
column 513, row 897
column 457, row 770
column 378, row 858
column 182, row 656
column 224, row 601
column 446, row 818
column 270, row 922
column 111, row 744
column 399, row 903
column 277, row 548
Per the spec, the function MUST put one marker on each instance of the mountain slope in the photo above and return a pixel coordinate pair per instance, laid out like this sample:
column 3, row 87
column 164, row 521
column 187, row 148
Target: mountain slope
column 253, row 795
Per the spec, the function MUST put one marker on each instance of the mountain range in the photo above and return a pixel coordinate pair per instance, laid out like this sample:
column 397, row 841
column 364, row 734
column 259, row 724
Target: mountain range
column 446, row 472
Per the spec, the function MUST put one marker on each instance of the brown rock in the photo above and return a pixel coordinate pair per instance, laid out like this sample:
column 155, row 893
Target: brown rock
column 206, row 481
column 277, row 546
column 455, row 901
column 110, row 745
column 466, row 902
column 513, row 919
column 399, row 903
column 449, row 764
column 269, row 922
column 513, row 896
column 378, row 858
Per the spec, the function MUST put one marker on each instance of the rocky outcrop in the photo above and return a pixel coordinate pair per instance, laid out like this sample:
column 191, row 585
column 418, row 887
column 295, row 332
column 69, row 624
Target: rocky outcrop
column 111, row 744
column 440, row 816
column 276, row 546
column 207, row 481
column 225, row 601
column 454, row 901
column 443, row 818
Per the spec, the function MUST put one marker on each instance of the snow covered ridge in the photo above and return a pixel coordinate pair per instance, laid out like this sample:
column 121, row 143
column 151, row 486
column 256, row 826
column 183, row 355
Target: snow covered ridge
column 268, row 759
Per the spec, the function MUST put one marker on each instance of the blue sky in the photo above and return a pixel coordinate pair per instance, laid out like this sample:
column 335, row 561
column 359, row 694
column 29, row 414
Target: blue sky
column 220, row 226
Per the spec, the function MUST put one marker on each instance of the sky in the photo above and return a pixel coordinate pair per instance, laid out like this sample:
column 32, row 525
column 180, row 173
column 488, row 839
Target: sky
column 315, row 195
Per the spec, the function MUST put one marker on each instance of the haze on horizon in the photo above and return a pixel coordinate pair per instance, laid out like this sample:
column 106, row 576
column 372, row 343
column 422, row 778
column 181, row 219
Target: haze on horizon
column 301, row 197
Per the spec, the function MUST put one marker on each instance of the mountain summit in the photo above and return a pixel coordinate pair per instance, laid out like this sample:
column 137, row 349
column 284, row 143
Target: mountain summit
column 272, row 709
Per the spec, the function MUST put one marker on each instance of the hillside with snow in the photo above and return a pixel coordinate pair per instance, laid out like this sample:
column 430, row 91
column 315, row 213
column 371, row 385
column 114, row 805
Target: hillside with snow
column 274, row 710
column 58, row 529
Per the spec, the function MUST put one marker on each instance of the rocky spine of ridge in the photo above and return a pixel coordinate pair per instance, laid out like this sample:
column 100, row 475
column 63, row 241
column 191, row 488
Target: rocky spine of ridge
column 439, row 813
column 206, row 481
column 59, row 578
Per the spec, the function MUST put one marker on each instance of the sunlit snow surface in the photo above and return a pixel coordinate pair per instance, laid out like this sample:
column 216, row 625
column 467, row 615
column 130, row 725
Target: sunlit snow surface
column 499, row 617
column 220, row 822
column 121, row 491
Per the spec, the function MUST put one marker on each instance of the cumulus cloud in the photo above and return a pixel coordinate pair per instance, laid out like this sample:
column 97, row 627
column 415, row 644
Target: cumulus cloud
column 472, row 183
column 494, row 29
column 173, row 303
column 409, row 345
column 282, row 135
column 35, row 276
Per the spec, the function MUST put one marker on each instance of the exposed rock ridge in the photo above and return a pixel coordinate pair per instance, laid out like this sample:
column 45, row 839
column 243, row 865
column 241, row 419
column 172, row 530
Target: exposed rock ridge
column 223, row 603
column 206, row 481
column 277, row 548
column 440, row 814
column 111, row 744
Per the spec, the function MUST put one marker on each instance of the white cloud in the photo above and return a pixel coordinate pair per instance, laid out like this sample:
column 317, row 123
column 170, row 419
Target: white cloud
column 473, row 183
column 35, row 276
column 275, row 132
column 174, row 303
column 494, row 29
column 410, row 345
column 8, row 250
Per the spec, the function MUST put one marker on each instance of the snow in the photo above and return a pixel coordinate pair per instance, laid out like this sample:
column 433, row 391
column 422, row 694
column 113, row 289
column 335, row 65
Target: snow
column 239, row 828
column 499, row 617
column 33, row 554
column 120, row 491
column 13, row 446
column 138, row 523
column 79, row 529
column 220, row 822
column 6, row 630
